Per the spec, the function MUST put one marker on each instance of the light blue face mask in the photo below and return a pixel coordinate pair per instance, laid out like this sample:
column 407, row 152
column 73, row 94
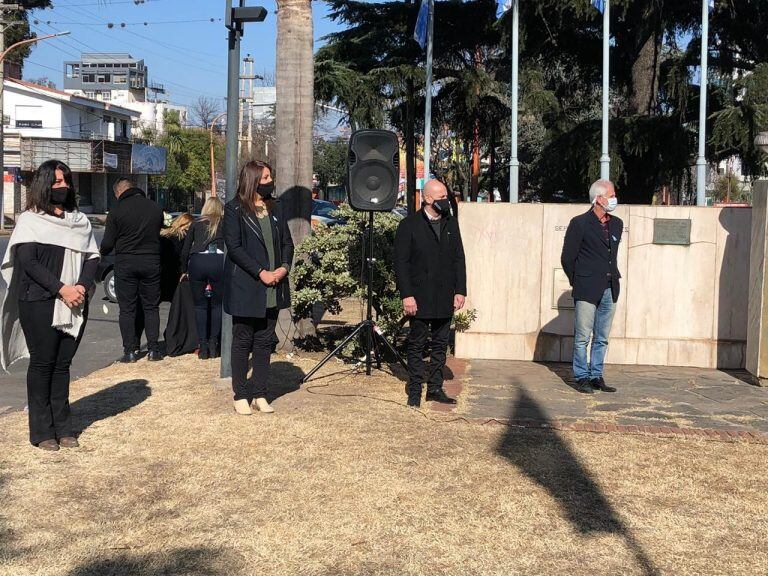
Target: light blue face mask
column 612, row 203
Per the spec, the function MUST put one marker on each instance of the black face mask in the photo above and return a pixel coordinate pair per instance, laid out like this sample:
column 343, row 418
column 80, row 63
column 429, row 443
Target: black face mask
column 442, row 206
column 266, row 190
column 59, row 195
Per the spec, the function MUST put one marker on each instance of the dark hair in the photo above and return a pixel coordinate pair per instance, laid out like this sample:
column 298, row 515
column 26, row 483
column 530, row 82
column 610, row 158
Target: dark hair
column 248, row 185
column 39, row 191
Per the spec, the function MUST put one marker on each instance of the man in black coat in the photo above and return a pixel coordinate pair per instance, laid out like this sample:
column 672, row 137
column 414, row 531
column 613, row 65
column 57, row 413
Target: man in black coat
column 432, row 280
column 589, row 259
column 133, row 232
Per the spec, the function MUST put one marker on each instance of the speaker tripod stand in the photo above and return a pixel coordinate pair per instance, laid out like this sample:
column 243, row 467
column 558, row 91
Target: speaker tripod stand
column 371, row 335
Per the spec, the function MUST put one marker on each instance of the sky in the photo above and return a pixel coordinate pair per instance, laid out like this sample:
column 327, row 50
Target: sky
column 182, row 48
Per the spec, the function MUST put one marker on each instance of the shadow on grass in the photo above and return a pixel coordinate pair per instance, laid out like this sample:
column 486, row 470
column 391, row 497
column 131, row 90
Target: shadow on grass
column 544, row 457
column 181, row 562
column 108, row 402
column 284, row 378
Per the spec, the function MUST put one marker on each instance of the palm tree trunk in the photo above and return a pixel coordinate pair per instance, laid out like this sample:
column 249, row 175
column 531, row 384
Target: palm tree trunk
column 295, row 113
column 294, row 118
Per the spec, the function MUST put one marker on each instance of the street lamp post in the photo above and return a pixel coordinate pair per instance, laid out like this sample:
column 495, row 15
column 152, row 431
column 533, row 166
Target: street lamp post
column 213, row 156
column 2, row 113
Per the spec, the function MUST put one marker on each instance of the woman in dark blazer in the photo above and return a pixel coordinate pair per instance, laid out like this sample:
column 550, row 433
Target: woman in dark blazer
column 259, row 256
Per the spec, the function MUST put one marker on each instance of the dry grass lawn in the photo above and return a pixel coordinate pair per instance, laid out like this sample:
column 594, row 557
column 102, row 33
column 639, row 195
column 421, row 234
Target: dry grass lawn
column 170, row 481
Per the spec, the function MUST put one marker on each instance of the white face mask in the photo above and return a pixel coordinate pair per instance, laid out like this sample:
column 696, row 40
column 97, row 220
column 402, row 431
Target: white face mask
column 612, row 203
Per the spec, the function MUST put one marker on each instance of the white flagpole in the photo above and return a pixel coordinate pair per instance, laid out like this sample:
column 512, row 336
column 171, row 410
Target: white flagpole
column 605, row 159
column 701, row 161
column 428, row 104
column 514, row 163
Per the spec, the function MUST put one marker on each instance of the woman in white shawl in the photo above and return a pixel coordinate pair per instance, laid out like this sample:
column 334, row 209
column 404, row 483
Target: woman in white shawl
column 49, row 268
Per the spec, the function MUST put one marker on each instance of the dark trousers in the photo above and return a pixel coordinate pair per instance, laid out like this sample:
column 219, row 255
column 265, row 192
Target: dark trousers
column 138, row 278
column 438, row 331
column 207, row 269
column 252, row 337
column 50, row 356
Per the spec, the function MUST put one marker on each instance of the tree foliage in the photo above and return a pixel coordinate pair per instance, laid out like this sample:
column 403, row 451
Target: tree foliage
column 654, row 87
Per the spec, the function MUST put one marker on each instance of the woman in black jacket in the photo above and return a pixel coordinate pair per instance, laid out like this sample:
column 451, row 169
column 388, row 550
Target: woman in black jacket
column 49, row 267
column 259, row 255
column 202, row 258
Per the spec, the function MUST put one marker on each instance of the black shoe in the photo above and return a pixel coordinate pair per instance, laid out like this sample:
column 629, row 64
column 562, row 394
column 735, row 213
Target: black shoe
column 584, row 386
column 203, row 351
column 154, row 356
column 599, row 384
column 414, row 400
column 129, row 357
column 214, row 349
column 440, row 396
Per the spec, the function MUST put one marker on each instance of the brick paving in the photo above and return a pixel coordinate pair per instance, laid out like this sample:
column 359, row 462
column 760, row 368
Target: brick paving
column 659, row 400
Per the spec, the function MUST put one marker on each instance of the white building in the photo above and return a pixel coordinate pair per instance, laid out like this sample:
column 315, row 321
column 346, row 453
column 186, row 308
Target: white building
column 92, row 137
column 120, row 79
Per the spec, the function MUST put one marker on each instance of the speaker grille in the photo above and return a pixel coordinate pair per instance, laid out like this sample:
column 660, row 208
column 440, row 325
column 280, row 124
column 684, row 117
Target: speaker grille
column 374, row 173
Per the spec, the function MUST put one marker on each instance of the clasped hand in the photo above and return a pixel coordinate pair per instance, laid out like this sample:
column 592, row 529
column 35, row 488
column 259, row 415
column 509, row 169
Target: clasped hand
column 73, row 296
column 270, row 278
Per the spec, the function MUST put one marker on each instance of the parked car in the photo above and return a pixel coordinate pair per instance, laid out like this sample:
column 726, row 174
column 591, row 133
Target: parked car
column 105, row 273
column 323, row 212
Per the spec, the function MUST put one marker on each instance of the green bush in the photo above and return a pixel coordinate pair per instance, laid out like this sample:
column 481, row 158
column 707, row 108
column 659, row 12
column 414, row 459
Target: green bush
column 329, row 267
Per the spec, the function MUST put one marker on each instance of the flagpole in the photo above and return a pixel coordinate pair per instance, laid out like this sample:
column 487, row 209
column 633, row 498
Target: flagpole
column 701, row 161
column 605, row 159
column 428, row 103
column 514, row 163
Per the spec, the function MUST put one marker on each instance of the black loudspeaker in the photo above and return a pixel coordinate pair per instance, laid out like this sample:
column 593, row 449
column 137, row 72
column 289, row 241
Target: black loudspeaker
column 374, row 170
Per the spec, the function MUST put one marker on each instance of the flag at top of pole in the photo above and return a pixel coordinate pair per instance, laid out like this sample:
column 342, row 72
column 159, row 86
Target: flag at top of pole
column 600, row 5
column 502, row 6
column 422, row 24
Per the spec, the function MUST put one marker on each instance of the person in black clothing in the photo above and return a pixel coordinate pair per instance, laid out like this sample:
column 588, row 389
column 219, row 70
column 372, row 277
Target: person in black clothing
column 259, row 255
column 171, row 246
column 133, row 231
column 202, row 259
column 432, row 280
column 50, row 268
column 589, row 259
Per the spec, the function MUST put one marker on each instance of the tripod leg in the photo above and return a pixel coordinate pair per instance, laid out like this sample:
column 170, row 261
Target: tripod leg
column 376, row 350
column 392, row 349
column 336, row 350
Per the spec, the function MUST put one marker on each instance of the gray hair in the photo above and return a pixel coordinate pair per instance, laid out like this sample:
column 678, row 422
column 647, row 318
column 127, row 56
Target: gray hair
column 599, row 188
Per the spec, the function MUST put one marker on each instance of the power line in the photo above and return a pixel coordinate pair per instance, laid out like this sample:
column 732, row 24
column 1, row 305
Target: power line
column 137, row 3
column 189, row 89
column 124, row 24
column 145, row 49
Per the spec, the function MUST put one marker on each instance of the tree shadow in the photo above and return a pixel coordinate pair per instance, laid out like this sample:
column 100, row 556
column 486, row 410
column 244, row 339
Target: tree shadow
column 544, row 457
column 284, row 378
column 108, row 402
column 180, row 562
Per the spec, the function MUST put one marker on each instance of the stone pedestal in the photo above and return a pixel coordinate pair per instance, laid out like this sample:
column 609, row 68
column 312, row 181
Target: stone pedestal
column 757, row 326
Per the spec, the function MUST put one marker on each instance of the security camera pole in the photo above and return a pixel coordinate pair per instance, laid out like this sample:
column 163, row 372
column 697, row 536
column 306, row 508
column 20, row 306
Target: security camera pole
column 235, row 19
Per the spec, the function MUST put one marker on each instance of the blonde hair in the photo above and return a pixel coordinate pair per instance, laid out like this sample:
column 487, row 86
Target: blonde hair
column 213, row 212
column 179, row 226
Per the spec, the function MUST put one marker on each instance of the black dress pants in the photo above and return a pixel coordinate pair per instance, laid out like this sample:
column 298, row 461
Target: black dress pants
column 138, row 278
column 207, row 269
column 252, row 337
column 50, row 356
column 438, row 331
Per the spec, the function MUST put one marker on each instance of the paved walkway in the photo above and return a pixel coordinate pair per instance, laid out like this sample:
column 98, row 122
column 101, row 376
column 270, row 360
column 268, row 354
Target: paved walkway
column 655, row 399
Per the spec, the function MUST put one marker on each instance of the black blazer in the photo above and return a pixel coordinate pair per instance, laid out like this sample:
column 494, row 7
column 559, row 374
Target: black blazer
column 587, row 258
column 245, row 294
column 133, row 226
column 431, row 270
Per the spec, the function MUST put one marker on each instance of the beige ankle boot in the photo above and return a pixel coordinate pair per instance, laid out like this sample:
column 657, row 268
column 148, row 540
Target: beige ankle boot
column 263, row 406
column 242, row 407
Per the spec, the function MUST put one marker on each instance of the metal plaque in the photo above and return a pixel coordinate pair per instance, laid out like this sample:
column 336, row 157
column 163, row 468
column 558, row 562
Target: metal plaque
column 675, row 231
